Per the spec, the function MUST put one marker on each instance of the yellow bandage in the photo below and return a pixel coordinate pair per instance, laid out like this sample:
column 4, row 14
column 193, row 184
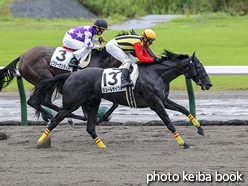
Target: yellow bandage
column 99, row 142
column 178, row 138
column 44, row 136
column 194, row 121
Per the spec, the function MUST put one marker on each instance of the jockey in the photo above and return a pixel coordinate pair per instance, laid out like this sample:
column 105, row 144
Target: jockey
column 121, row 47
column 81, row 39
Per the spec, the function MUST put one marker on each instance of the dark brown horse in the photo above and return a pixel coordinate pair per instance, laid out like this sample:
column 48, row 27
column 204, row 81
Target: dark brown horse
column 151, row 90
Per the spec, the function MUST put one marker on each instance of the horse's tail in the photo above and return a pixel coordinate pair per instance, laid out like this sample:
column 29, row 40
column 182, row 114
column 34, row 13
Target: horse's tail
column 8, row 73
column 38, row 95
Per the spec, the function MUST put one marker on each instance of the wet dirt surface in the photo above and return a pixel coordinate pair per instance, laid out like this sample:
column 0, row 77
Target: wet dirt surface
column 133, row 153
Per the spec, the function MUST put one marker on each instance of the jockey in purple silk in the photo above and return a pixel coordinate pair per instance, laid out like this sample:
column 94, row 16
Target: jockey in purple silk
column 81, row 40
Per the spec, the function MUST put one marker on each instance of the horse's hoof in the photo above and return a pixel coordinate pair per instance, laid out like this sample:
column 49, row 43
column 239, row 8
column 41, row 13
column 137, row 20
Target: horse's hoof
column 98, row 121
column 45, row 144
column 186, row 146
column 70, row 122
column 200, row 131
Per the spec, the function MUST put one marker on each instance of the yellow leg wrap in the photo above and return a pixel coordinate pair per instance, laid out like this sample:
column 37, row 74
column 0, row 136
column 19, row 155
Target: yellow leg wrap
column 178, row 138
column 44, row 136
column 99, row 142
column 194, row 121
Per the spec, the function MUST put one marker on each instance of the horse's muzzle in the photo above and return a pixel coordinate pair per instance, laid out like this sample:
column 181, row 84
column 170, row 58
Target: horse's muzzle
column 206, row 87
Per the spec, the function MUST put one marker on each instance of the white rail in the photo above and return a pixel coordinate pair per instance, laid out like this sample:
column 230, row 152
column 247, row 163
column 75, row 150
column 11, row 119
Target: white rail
column 227, row 70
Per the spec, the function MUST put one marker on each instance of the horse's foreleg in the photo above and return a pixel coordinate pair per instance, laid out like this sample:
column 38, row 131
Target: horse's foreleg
column 196, row 124
column 74, row 116
column 91, row 111
column 160, row 110
column 169, row 104
column 107, row 114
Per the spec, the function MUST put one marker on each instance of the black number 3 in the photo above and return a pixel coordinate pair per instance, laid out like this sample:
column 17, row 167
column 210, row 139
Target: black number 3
column 62, row 55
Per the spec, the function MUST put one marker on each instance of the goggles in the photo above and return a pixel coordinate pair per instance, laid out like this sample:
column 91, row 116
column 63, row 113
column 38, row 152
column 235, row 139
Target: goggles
column 103, row 32
column 150, row 41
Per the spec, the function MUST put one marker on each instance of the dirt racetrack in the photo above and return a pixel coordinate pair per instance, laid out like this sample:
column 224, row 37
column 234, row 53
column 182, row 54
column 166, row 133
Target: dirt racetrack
column 133, row 153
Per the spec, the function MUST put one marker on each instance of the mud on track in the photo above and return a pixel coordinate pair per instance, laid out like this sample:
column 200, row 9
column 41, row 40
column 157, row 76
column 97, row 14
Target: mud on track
column 132, row 152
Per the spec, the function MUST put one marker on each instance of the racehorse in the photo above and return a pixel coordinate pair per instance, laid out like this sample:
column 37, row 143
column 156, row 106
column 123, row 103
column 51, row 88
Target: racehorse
column 151, row 90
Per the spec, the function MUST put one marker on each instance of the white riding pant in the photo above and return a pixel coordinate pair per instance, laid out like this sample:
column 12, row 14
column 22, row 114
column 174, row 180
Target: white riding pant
column 125, row 58
column 82, row 50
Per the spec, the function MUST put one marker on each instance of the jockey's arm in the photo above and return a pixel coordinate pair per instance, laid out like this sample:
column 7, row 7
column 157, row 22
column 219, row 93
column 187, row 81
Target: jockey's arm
column 95, row 40
column 144, row 58
column 88, row 41
column 145, row 52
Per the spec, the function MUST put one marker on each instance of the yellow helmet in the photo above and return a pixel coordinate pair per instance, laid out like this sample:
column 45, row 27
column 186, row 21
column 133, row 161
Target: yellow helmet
column 149, row 34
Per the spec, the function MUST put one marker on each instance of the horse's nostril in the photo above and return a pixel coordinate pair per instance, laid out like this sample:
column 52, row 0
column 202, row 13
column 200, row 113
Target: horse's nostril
column 210, row 85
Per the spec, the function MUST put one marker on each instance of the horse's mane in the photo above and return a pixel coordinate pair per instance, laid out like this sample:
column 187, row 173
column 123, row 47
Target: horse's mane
column 122, row 33
column 168, row 55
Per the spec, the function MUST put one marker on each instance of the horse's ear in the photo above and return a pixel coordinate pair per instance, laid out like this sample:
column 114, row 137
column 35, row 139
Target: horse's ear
column 133, row 32
column 194, row 54
column 193, row 57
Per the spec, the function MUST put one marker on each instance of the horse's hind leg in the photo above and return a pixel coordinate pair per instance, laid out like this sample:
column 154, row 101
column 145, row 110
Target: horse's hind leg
column 57, row 119
column 169, row 104
column 91, row 109
column 47, row 102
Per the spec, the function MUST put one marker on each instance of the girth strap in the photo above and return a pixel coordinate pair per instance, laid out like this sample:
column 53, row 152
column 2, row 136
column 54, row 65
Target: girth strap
column 130, row 97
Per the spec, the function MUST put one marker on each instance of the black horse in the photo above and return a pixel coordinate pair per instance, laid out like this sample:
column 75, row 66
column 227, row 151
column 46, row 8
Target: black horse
column 83, row 88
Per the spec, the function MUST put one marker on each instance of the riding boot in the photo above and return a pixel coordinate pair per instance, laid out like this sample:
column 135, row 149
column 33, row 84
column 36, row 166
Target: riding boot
column 125, row 82
column 74, row 64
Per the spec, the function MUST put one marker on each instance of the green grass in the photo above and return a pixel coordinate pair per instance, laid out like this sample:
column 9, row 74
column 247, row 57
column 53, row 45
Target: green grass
column 217, row 39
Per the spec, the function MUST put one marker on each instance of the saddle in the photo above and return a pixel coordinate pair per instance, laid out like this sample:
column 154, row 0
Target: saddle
column 62, row 56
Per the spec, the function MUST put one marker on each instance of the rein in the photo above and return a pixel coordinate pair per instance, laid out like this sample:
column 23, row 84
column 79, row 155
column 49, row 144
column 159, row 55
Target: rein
column 190, row 74
column 170, row 67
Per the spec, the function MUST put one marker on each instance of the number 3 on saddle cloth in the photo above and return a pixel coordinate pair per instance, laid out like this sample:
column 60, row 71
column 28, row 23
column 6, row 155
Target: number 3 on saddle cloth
column 62, row 56
column 111, row 82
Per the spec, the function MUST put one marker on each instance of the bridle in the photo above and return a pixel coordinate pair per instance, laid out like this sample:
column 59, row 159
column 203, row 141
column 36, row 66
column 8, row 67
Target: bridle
column 191, row 73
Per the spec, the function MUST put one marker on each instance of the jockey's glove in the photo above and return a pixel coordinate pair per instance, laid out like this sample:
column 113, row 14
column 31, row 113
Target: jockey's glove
column 157, row 60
